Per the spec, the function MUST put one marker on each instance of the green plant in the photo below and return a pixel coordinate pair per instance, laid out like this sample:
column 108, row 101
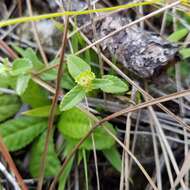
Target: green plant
column 73, row 123
column 86, row 82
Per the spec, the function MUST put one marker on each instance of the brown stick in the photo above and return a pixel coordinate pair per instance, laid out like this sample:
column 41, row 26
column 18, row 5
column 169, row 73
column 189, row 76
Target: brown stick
column 9, row 51
column 53, row 107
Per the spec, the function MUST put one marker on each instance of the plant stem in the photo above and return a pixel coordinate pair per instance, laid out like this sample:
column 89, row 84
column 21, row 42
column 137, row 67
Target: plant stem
column 71, row 13
column 53, row 106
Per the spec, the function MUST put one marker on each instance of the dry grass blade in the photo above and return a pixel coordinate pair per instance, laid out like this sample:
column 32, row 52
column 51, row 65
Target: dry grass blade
column 133, row 157
column 43, row 84
column 35, row 32
column 151, row 103
column 121, row 184
column 127, row 142
column 156, row 156
column 94, row 151
column 184, row 169
column 166, row 144
column 134, row 138
column 127, row 145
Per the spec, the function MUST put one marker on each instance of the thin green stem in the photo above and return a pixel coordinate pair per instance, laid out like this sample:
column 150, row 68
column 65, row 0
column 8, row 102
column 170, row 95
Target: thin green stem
column 71, row 13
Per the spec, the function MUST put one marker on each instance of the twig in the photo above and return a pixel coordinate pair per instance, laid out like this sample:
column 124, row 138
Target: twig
column 53, row 106
column 8, row 50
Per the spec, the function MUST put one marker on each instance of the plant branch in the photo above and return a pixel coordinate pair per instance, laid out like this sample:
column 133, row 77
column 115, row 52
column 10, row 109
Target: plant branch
column 53, row 106
column 8, row 50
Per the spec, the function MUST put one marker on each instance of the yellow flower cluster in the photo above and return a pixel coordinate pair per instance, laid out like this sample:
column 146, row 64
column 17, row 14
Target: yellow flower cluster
column 85, row 79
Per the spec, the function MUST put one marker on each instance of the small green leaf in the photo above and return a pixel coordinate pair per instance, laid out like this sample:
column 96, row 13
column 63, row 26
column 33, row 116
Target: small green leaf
column 67, row 81
column 21, row 66
column 101, row 138
column 52, row 162
column 75, row 124
column 18, row 49
column 35, row 95
column 101, row 83
column 4, row 70
column 75, row 42
column 40, row 111
column 31, row 55
column 112, row 84
column 8, row 81
column 185, row 53
column 19, row 132
column 49, row 75
column 76, row 65
column 178, row 35
column 113, row 157
column 9, row 106
column 72, row 98
column 58, row 25
column 22, row 83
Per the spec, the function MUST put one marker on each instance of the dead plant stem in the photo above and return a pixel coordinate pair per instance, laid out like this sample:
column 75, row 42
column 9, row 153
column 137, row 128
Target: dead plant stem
column 53, row 106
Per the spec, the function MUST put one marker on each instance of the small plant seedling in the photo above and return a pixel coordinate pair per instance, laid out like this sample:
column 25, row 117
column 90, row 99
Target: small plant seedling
column 86, row 81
